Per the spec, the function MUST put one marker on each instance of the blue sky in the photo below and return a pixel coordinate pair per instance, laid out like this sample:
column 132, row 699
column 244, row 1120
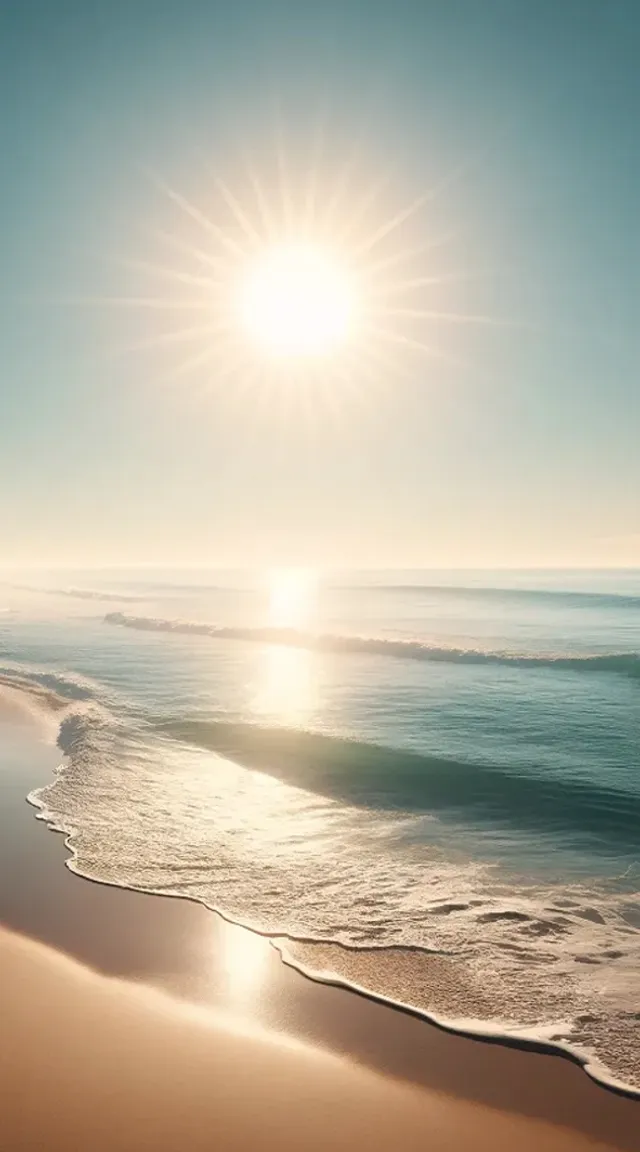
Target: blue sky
column 518, row 447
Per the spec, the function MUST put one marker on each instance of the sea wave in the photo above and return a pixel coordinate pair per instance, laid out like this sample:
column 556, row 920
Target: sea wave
column 80, row 593
column 564, row 596
column 62, row 688
column 343, row 889
column 368, row 775
column 625, row 663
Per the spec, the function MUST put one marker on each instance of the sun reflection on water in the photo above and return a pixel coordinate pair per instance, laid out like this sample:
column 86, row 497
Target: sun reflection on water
column 286, row 673
column 287, row 690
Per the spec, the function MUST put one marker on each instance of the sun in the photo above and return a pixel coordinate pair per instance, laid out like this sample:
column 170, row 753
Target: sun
column 296, row 300
column 299, row 291
column 291, row 599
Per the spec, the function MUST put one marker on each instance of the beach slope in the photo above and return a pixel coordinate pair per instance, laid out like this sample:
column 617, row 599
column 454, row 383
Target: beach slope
column 87, row 1061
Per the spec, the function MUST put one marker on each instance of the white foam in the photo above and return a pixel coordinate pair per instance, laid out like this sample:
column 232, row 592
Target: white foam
column 545, row 960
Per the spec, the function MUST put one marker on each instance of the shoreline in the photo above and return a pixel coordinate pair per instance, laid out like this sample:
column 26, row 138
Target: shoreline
column 515, row 1041
column 402, row 1042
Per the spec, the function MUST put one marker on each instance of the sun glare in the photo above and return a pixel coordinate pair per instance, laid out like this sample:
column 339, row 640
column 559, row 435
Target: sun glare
column 296, row 301
column 291, row 598
column 244, row 960
column 302, row 287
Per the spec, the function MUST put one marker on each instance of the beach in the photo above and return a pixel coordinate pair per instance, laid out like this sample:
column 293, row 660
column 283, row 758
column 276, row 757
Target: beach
column 320, row 576
column 124, row 1009
column 427, row 789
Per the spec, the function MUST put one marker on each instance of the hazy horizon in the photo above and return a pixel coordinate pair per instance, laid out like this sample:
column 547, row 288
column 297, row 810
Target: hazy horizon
column 318, row 571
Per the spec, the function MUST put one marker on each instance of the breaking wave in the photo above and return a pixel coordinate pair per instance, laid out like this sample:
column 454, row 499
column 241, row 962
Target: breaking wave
column 61, row 688
column 450, row 937
column 624, row 663
column 368, row 775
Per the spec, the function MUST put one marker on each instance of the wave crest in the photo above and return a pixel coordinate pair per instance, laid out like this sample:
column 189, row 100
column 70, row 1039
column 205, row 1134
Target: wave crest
column 396, row 780
column 626, row 663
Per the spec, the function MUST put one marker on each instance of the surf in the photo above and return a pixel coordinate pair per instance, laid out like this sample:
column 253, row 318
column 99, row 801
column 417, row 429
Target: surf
column 621, row 662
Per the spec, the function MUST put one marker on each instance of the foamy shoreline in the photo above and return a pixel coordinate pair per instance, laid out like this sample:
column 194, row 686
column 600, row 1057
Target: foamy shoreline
column 470, row 1057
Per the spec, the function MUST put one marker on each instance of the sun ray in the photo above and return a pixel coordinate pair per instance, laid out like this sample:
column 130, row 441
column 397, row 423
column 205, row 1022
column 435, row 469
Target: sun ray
column 167, row 273
column 340, row 186
column 151, row 302
column 372, row 352
column 309, row 209
column 452, row 177
column 187, row 367
column 177, row 336
column 445, row 317
column 397, row 287
column 404, row 254
column 210, row 260
column 222, row 369
column 285, row 191
column 190, row 209
column 395, row 222
column 373, row 191
column 229, row 361
column 406, row 213
column 240, row 215
column 391, row 337
column 266, row 215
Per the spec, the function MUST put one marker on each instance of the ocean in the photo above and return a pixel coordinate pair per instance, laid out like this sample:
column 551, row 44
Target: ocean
column 427, row 783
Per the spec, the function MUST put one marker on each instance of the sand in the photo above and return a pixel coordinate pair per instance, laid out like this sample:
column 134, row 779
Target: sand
column 206, row 1039
column 88, row 1062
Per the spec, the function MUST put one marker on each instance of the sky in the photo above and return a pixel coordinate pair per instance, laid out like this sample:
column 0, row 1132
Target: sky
column 506, row 441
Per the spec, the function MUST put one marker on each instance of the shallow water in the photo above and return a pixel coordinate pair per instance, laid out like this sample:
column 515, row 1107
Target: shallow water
column 442, row 760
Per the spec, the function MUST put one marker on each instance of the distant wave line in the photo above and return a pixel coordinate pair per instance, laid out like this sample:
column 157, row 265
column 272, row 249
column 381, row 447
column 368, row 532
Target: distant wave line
column 79, row 593
column 627, row 663
column 612, row 600
column 588, row 599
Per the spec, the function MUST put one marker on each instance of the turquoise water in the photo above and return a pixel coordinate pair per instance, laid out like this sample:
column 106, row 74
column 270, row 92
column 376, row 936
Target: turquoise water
column 449, row 761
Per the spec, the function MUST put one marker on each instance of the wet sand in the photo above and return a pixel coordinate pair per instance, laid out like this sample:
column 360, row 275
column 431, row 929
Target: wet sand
column 180, row 948
column 88, row 1062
